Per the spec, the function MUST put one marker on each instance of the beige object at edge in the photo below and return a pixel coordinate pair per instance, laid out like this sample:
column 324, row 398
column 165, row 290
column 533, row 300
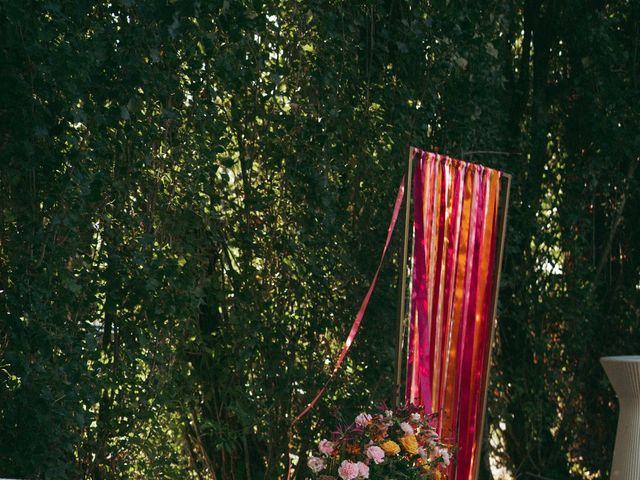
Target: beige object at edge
column 624, row 375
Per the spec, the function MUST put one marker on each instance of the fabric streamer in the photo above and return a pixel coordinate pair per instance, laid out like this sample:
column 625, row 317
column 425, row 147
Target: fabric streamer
column 455, row 224
column 356, row 323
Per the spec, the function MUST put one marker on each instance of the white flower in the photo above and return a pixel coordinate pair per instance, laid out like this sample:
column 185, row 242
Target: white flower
column 406, row 428
column 415, row 417
column 433, row 438
column 443, row 453
column 445, row 457
column 363, row 420
column 388, row 413
column 423, row 453
column 316, row 464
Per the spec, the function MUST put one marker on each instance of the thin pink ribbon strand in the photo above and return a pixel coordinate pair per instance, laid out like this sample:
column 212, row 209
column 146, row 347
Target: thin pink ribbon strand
column 418, row 305
column 356, row 323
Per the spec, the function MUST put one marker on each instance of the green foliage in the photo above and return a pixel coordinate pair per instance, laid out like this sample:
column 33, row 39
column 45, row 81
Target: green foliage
column 193, row 197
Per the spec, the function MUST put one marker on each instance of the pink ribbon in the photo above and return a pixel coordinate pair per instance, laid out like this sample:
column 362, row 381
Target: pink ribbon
column 356, row 323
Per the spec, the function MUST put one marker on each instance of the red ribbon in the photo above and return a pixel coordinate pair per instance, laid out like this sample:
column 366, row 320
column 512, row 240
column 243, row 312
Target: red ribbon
column 418, row 294
column 356, row 323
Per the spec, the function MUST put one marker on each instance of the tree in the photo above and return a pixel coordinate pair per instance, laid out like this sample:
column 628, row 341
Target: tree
column 192, row 193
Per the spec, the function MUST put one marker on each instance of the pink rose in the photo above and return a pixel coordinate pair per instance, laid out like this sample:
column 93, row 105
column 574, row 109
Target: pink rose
column 363, row 470
column 375, row 453
column 326, row 447
column 363, row 420
column 348, row 470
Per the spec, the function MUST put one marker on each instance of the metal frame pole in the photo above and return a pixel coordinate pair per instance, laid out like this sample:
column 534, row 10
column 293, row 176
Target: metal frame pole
column 496, row 289
column 403, row 278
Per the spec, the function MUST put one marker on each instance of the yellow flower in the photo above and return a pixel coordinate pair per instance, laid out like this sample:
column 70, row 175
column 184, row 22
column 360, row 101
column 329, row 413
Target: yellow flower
column 409, row 443
column 390, row 447
column 423, row 465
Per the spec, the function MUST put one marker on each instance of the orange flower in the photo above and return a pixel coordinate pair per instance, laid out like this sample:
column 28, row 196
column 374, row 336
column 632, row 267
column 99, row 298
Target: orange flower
column 390, row 447
column 409, row 443
column 378, row 432
column 353, row 449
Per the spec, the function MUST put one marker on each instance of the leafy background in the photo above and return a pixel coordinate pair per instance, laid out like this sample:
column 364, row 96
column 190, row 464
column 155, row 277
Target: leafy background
column 193, row 197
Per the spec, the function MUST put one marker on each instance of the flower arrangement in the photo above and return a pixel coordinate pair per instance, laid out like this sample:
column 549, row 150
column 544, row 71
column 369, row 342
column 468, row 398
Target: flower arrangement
column 398, row 443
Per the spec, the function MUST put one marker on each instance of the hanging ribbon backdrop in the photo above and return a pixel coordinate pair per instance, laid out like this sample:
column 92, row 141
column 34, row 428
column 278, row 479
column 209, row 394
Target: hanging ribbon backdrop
column 453, row 297
column 450, row 325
